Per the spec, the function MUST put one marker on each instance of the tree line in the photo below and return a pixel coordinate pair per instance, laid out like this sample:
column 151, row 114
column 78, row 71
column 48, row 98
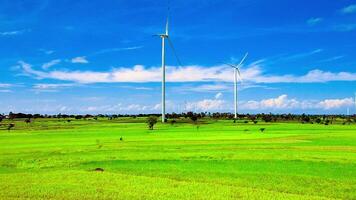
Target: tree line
column 269, row 117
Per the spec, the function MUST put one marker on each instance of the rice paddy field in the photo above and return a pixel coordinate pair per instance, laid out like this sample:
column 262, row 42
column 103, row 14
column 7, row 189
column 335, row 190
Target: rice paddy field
column 122, row 159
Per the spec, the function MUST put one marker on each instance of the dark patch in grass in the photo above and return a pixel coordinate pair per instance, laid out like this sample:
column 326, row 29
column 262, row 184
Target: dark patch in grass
column 99, row 169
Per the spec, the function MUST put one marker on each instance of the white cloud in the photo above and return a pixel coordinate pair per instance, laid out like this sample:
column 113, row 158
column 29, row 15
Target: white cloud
column 205, row 105
column 205, row 87
column 314, row 21
column 349, row 9
column 50, row 64
column 281, row 102
column 336, row 103
column 218, row 95
column 345, row 27
column 5, row 85
column 192, row 73
column 80, row 60
column 44, row 86
column 47, row 52
column 118, row 108
column 12, row 33
column 119, row 49
column 284, row 103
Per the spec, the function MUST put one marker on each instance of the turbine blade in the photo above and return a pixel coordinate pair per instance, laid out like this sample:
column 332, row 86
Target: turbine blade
column 238, row 71
column 167, row 23
column 243, row 59
column 174, row 51
column 231, row 65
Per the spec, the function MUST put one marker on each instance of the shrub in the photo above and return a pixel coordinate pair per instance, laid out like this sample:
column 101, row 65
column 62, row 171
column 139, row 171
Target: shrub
column 10, row 126
column 151, row 121
column 262, row 129
column 173, row 122
column 194, row 118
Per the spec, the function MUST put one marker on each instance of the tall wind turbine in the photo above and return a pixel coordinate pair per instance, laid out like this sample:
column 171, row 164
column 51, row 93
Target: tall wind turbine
column 355, row 102
column 165, row 37
column 237, row 72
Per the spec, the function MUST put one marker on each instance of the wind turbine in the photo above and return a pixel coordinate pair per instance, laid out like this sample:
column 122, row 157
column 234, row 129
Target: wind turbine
column 355, row 102
column 237, row 72
column 164, row 37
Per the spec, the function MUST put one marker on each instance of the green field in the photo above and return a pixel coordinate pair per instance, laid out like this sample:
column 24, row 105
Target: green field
column 54, row 159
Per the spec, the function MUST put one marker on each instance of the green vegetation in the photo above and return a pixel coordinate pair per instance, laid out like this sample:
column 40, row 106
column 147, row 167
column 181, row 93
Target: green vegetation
column 121, row 158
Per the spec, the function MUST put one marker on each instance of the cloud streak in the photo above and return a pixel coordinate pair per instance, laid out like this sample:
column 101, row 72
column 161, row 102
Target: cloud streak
column 118, row 49
column 12, row 33
column 314, row 21
column 349, row 9
column 192, row 73
column 80, row 60
column 50, row 64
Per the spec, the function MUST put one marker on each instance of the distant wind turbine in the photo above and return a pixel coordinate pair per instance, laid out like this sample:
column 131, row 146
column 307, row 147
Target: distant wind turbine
column 165, row 36
column 237, row 72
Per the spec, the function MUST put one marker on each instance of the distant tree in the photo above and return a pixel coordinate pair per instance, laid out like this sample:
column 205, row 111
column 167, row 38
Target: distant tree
column 173, row 122
column 78, row 117
column 194, row 118
column 318, row 120
column 10, row 126
column 27, row 121
column 151, row 121
column 267, row 118
column 305, row 118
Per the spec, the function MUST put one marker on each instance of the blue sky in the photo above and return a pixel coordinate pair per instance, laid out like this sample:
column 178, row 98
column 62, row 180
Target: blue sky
column 100, row 56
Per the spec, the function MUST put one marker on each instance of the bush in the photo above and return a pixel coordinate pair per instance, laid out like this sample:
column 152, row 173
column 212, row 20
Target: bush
column 10, row 127
column 318, row 120
column 262, row 129
column 173, row 122
column 194, row 118
column 151, row 121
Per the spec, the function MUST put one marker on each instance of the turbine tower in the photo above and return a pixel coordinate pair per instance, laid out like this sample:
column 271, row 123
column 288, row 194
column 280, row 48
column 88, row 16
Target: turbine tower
column 237, row 72
column 165, row 37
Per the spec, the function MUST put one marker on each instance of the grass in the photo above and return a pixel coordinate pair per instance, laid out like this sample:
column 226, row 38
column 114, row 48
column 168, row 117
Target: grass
column 54, row 159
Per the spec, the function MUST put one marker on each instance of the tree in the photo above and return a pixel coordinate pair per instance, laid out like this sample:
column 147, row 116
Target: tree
column 151, row 121
column 267, row 118
column 318, row 120
column 27, row 121
column 194, row 118
column 10, row 126
column 173, row 122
